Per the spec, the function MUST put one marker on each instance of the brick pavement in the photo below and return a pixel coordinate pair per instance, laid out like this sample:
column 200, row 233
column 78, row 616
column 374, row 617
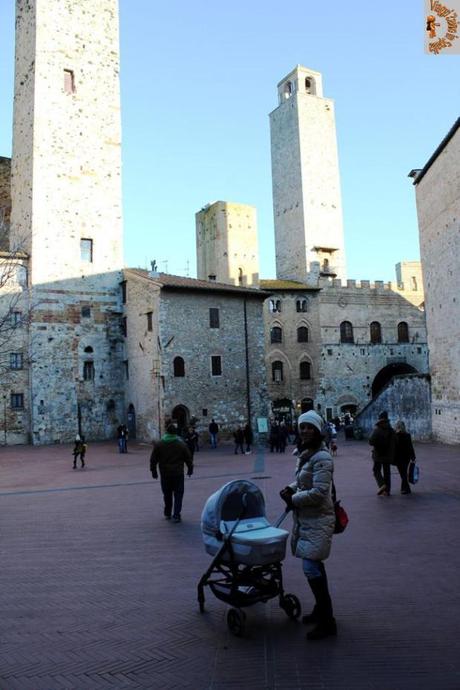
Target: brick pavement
column 97, row 591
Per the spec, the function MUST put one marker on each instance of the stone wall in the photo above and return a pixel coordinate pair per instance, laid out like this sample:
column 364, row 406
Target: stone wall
column 405, row 398
column 5, row 202
column 438, row 210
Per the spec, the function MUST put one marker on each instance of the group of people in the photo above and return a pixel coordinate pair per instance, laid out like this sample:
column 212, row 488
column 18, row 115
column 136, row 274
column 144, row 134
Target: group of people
column 391, row 447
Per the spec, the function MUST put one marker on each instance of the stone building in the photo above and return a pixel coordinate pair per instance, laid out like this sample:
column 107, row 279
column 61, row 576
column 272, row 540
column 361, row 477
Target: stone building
column 66, row 194
column 437, row 187
column 194, row 350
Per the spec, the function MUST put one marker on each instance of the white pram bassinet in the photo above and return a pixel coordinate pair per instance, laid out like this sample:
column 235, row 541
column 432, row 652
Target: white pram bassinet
column 254, row 540
column 247, row 552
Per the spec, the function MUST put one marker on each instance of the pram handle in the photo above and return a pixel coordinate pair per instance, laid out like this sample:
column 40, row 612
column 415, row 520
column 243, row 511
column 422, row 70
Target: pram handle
column 282, row 517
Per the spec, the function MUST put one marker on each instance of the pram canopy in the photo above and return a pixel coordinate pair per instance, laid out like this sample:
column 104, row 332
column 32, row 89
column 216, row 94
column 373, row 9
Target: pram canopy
column 237, row 499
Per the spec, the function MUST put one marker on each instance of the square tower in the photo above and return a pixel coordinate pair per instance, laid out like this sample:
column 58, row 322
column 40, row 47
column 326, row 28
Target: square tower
column 306, row 182
column 226, row 244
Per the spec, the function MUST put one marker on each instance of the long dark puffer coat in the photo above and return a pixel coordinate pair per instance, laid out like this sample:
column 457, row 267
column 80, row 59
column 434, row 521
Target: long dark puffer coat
column 314, row 517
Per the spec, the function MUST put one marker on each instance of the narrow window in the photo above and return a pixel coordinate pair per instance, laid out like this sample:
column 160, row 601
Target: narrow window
column 376, row 333
column 346, row 332
column 16, row 318
column 277, row 372
column 124, row 326
column 88, row 371
column 276, row 335
column 403, row 332
column 69, row 81
column 123, row 291
column 17, row 401
column 149, row 320
column 86, row 312
column 86, row 250
column 16, row 360
column 305, row 370
column 179, row 366
column 204, row 412
column 302, row 334
column 216, row 365
column 126, row 366
column 213, row 317
column 240, row 276
column 413, row 281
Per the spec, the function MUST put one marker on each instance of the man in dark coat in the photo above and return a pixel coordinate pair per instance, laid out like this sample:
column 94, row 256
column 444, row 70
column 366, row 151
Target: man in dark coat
column 382, row 441
column 170, row 455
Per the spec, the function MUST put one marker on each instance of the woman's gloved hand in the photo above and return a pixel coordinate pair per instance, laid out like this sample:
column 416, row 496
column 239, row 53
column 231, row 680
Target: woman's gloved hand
column 286, row 495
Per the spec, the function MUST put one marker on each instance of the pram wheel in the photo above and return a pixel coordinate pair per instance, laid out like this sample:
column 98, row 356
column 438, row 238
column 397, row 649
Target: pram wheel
column 291, row 606
column 236, row 620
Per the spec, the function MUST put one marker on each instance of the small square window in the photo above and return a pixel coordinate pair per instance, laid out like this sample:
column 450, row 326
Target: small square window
column 17, row 401
column 69, row 81
column 216, row 365
column 86, row 250
column 149, row 320
column 16, row 360
column 86, row 312
column 213, row 317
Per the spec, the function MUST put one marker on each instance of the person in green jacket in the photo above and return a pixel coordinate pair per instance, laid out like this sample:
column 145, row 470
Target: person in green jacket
column 170, row 455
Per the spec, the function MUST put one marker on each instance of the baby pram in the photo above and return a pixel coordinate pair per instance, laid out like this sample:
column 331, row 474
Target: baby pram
column 247, row 550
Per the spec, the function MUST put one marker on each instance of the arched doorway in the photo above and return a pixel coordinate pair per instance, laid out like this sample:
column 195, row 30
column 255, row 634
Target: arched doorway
column 131, row 419
column 386, row 374
column 180, row 416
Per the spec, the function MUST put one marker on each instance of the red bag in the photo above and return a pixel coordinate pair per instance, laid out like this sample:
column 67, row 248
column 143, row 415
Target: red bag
column 341, row 518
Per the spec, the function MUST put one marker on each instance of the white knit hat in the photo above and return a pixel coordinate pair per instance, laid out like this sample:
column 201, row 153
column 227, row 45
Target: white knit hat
column 311, row 417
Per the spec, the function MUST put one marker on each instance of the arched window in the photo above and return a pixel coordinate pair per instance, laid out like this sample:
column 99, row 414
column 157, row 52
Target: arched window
column 346, row 332
column 287, row 90
column 403, row 332
column 277, row 371
column 305, row 371
column 179, row 366
column 89, row 349
column 376, row 333
column 302, row 334
column 275, row 305
column 276, row 335
column 301, row 305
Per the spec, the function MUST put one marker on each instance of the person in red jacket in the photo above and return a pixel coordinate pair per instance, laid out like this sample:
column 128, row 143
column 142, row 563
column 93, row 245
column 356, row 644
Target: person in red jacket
column 170, row 455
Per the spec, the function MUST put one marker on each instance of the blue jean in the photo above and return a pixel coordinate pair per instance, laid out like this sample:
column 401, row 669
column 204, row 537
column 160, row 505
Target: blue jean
column 311, row 568
column 213, row 440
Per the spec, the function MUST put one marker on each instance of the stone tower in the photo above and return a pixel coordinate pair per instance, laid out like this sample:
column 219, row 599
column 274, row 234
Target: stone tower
column 66, row 213
column 306, row 182
column 226, row 244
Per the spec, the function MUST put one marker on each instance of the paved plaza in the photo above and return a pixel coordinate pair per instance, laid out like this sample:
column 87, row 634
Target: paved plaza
column 98, row 591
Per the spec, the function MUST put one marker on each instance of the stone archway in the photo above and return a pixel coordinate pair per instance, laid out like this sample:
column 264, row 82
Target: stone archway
column 386, row 374
column 180, row 416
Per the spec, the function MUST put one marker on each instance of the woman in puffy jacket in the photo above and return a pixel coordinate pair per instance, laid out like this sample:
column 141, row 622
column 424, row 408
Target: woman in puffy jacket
column 314, row 519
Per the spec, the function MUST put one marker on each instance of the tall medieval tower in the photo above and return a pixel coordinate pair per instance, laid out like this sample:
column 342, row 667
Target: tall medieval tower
column 66, row 211
column 306, row 182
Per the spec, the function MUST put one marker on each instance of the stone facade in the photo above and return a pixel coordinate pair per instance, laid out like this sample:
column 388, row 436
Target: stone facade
column 226, row 244
column 307, row 203
column 168, row 317
column 5, row 202
column 66, row 215
column 437, row 188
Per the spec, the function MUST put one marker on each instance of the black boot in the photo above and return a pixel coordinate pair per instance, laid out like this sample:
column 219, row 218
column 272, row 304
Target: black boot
column 325, row 621
column 312, row 617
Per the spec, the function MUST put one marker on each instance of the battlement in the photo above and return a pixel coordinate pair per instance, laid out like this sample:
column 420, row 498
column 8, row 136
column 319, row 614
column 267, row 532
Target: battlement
column 370, row 285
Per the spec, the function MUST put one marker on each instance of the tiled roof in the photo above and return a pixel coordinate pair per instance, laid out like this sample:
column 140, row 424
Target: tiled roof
column 273, row 284
column 168, row 281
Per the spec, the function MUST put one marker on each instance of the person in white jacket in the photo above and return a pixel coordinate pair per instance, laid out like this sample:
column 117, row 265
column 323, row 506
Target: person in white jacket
column 310, row 498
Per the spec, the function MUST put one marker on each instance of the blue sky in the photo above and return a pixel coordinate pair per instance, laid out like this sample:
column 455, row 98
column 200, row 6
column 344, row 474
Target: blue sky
column 198, row 81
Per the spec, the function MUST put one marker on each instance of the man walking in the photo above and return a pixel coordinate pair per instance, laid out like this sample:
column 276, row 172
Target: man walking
column 382, row 441
column 170, row 454
column 213, row 431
